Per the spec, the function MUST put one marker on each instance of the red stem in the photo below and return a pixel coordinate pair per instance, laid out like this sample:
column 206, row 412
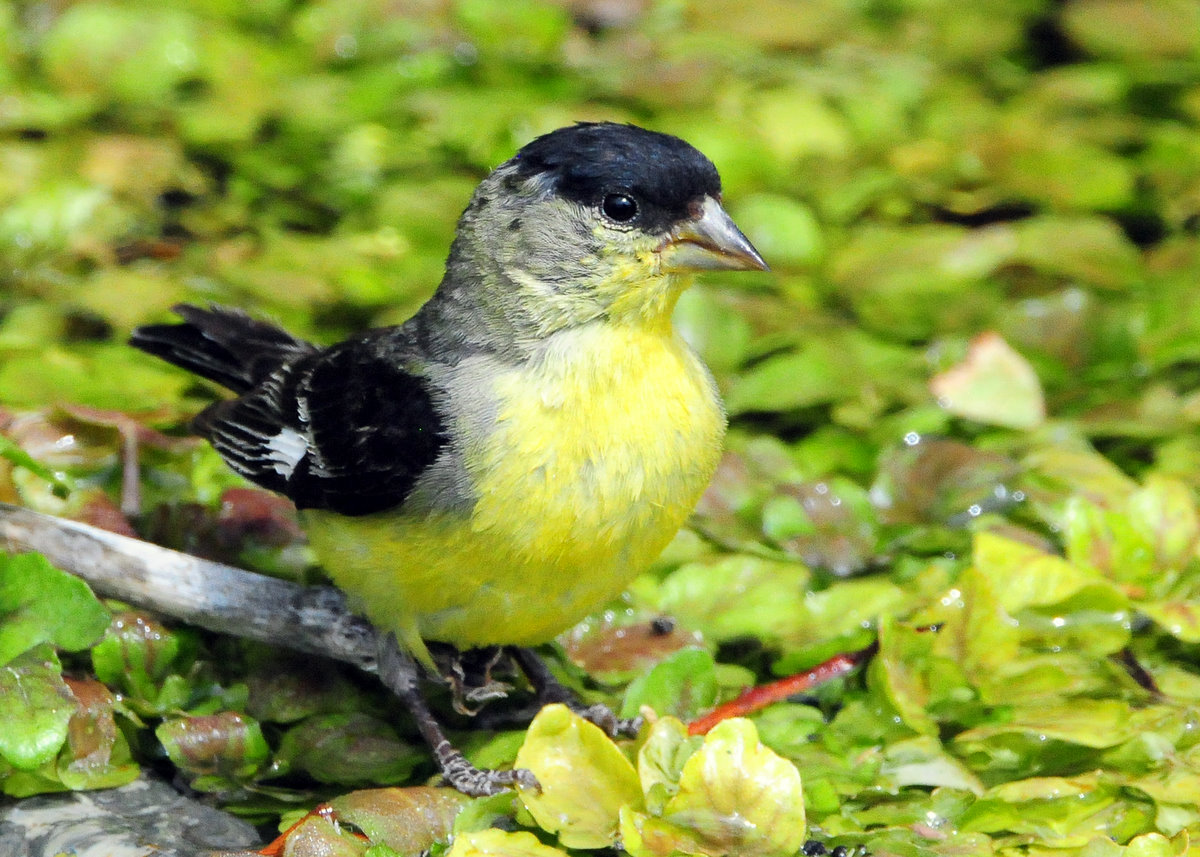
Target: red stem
column 758, row 698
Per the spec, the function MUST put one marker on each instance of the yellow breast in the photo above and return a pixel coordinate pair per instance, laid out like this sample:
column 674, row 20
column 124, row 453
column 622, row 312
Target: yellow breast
column 601, row 447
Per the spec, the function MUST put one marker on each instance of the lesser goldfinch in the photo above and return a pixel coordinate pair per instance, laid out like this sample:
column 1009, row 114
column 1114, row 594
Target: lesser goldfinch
column 507, row 460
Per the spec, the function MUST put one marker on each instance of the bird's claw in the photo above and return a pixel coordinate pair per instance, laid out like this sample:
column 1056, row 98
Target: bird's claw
column 610, row 724
column 524, row 778
column 479, row 782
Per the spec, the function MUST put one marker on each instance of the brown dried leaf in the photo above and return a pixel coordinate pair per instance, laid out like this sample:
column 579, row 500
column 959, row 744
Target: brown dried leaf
column 608, row 648
column 92, row 731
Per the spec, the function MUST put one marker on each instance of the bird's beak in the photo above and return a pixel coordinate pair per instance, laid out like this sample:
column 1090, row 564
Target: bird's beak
column 709, row 242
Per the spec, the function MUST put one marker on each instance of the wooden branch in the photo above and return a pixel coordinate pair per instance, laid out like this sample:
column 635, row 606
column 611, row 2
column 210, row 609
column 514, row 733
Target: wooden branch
column 208, row 594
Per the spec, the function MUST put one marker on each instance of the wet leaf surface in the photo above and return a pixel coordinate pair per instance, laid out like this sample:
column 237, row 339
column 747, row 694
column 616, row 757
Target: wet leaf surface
column 964, row 408
column 41, row 604
column 585, row 779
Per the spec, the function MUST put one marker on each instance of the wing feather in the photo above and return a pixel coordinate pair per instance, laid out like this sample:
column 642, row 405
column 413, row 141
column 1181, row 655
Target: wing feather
column 348, row 429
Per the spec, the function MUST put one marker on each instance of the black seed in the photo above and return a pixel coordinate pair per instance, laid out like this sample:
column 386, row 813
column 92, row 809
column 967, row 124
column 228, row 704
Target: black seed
column 660, row 626
column 175, row 198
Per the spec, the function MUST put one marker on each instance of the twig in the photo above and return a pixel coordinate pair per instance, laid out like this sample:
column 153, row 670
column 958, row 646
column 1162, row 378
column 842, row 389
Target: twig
column 208, row 594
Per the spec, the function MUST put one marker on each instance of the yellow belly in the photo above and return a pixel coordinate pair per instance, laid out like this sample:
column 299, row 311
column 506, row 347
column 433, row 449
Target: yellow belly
column 600, row 451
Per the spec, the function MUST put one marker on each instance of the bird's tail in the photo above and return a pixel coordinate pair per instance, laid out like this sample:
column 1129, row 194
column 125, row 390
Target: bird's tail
column 221, row 344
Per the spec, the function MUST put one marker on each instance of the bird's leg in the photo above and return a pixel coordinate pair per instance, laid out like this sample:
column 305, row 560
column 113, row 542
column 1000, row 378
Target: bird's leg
column 400, row 674
column 550, row 690
column 469, row 675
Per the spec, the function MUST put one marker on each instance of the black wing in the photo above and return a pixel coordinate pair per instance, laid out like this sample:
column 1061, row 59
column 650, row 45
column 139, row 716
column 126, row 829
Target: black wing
column 347, row 429
column 222, row 344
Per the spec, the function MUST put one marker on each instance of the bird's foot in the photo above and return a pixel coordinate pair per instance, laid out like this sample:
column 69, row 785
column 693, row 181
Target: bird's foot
column 477, row 782
column 550, row 690
column 400, row 674
column 608, row 721
column 469, row 675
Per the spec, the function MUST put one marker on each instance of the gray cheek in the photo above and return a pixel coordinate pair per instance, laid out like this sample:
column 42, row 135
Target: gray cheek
column 556, row 243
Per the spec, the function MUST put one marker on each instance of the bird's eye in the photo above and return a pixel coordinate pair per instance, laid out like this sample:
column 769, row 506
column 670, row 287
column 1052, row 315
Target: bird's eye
column 620, row 207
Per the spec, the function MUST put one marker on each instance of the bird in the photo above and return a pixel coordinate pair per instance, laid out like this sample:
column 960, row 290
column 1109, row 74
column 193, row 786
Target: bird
column 503, row 463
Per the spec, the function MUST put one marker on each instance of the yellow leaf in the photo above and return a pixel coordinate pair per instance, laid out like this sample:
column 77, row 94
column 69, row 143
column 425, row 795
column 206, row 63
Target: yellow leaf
column 584, row 777
column 661, row 759
column 1023, row 576
column 993, row 384
column 735, row 797
column 500, row 843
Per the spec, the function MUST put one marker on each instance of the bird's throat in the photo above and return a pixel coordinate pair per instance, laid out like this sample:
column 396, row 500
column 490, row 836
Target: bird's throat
column 648, row 301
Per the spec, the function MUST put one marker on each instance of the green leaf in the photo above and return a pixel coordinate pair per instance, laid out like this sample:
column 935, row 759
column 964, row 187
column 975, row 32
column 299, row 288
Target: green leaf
column 824, row 370
column 318, row 835
column 718, row 331
column 1164, row 513
column 35, row 708
column 99, row 755
column 901, row 672
column 108, row 376
column 409, row 820
column 1105, row 541
column 841, row 613
column 585, row 779
column 1180, row 619
column 220, row 749
column 910, row 283
column 40, row 604
column 829, row 524
column 58, row 482
column 735, row 596
column 1145, row 542
column 1061, row 811
column 1134, row 32
column 683, row 684
column 789, row 728
column 922, row 761
column 1089, row 248
column 523, row 30
column 1062, row 469
column 146, row 661
column 784, row 231
column 975, row 629
column 1023, row 576
column 1069, row 174
column 347, row 748
column 113, row 50
column 1156, row 845
column 1095, row 723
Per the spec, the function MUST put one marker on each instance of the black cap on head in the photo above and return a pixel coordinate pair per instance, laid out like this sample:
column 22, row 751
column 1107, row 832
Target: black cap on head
column 589, row 160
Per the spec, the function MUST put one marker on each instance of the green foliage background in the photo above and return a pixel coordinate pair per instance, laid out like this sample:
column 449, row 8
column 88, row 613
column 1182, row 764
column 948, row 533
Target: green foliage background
column 968, row 395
